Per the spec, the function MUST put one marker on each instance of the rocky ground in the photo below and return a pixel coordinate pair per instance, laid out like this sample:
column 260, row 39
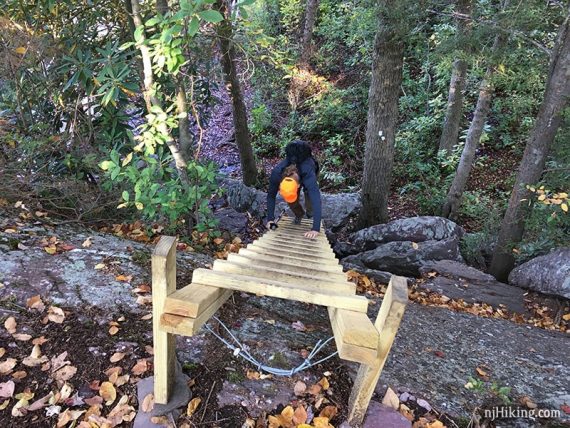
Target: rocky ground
column 94, row 306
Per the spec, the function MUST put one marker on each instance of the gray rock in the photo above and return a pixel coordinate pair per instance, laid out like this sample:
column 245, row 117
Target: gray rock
column 402, row 258
column 414, row 229
column 378, row 275
column 548, row 274
column 380, row 416
column 231, row 220
column 336, row 208
column 459, row 281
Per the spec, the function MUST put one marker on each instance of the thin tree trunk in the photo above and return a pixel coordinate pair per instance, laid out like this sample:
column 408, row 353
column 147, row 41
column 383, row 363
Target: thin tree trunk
column 387, row 63
column 556, row 96
column 310, row 17
column 184, row 135
column 152, row 100
column 452, row 121
column 162, row 7
column 243, row 140
column 452, row 203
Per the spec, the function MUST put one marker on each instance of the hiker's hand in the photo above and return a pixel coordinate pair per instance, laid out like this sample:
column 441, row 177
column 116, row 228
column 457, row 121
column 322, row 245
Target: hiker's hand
column 311, row 234
column 269, row 224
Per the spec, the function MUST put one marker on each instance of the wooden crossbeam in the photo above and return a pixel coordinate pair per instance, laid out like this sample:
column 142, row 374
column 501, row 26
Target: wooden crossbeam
column 279, row 289
column 191, row 300
column 293, row 278
column 187, row 326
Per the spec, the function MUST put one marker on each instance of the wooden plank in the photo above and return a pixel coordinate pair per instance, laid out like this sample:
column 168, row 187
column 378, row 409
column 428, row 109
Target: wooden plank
column 191, row 300
column 355, row 328
column 293, row 250
column 186, row 326
column 325, row 272
column 266, row 287
column 348, row 351
column 283, row 242
column 163, row 284
column 297, row 237
column 290, row 262
column 387, row 324
column 301, row 261
column 292, row 278
column 306, row 255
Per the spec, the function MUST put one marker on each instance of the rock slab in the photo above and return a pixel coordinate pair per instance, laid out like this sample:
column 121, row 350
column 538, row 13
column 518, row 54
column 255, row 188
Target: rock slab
column 548, row 274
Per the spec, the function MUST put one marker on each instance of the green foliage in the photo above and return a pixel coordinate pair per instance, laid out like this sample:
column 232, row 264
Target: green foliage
column 155, row 189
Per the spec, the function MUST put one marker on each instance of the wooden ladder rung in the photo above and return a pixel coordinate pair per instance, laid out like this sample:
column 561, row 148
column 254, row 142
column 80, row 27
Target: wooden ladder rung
column 336, row 285
column 279, row 289
column 299, row 261
column 307, row 254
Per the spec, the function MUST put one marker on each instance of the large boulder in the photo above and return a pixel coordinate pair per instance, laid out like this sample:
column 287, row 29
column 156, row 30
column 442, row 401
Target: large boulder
column 548, row 274
column 243, row 198
column 406, row 257
column 413, row 229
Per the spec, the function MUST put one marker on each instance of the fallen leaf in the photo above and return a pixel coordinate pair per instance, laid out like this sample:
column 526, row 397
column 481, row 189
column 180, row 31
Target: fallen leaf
column 4, row 404
column 329, row 412
column 124, row 278
column 7, row 366
column 68, row 416
column 7, row 389
column 10, row 325
column 527, row 402
column 22, row 337
column 140, row 367
column 146, row 317
column 435, row 424
column 439, row 354
column 148, row 403
column 299, row 326
column 87, row 243
column 2, row 352
column 117, row 356
column 192, row 406
column 55, row 314
column 482, row 373
column 113, row 330
column 315, row 389
column 65, row 373
column 324, row 382
column 566, row 317
column 148, row 348
column 35, row 302
column 300, row 416
column 100, row 266
column 300, row 388
column 108, row 392
column 253, row 375
column 19, row 375
column 415, row 246
column 391, row 399
column 50, row 249
column 320, row 422
column 39, row 340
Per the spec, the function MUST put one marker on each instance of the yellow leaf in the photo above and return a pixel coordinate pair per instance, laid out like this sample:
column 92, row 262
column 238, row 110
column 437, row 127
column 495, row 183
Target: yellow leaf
column 324, row 382
column 127, row 159
column 50, row 250
column 20, row 50
column 100, row 266
column 108, row 392
column 123, row 205
column 564, row 207
column 113, row 330
column 436, row 424
column 4, row 404
column 416, row 246
column 566, row 317
column 321, row 422
column 542, row 197
column 139, row 205
column 87, row 243
column 192, row 406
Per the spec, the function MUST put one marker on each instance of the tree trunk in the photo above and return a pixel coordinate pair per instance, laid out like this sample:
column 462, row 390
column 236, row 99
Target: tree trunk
column 452, row 203
column 152, row 100
column 310, row 17
column 556, row 96
column 162, row 7
column 184, row 135
column 243, row 140
column 452, row 121
column 387, row 62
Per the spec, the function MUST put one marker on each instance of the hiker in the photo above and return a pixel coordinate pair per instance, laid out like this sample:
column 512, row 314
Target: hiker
column 298, row 170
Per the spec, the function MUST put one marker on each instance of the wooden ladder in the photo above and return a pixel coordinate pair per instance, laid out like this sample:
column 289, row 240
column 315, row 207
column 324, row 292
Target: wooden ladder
column 284, row 264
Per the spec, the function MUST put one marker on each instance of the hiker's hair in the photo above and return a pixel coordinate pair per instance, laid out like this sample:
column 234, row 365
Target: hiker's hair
column 297, row 151
column 289, row 171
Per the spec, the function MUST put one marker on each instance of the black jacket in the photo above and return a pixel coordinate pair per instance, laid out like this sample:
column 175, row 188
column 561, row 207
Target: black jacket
column 308, row 172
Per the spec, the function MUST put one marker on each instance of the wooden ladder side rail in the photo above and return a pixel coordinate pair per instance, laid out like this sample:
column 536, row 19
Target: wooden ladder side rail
column 163, row 284
column 387, row 323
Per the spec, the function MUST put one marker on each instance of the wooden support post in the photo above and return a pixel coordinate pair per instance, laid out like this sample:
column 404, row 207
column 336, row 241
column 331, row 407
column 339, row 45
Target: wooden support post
column 387, row 324
column 163, row 284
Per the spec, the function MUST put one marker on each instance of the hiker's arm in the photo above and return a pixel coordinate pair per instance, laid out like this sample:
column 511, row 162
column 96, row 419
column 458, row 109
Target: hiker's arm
column 272, row 193
column 310, row 183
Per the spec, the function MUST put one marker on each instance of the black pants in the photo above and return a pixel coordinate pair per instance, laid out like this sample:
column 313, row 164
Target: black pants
column 298, row 209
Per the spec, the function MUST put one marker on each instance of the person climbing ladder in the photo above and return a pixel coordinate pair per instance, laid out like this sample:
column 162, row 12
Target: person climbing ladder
column 298, row 170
